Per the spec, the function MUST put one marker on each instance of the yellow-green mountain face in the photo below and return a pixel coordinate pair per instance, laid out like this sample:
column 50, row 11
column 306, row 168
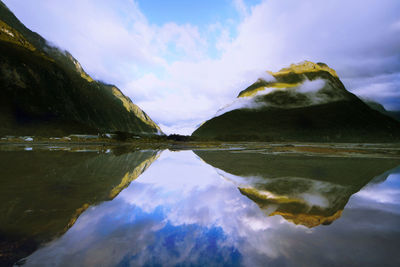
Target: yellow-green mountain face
column 45, row 91
column 8, row 34
column 304, row 102
column 293, row 76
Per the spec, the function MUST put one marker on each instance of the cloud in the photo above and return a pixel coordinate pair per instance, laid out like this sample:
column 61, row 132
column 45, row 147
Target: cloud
column 182, row 74
column 241, row 7
column 311, row 86
column 114, row 41
column 381, row 88
column 306, row 94
column 356, row 38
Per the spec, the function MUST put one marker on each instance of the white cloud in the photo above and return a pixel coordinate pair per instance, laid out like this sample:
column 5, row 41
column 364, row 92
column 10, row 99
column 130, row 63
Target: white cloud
column 311, row 86
column 169, row 72
column 114, row 41
column 382, row 88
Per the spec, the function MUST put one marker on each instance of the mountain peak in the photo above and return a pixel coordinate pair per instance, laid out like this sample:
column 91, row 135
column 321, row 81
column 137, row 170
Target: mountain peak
column 294, row 76
column 305, row 66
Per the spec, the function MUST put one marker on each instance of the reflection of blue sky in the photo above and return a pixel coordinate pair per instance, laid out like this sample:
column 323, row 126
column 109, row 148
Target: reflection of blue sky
column 385, row 195
column 180, row 212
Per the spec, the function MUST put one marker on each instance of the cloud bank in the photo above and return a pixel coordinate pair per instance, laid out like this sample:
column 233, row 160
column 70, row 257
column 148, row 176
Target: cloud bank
column 181, row 74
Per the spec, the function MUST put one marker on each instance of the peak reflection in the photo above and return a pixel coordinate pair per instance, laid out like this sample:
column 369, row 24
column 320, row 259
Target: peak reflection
column 305, row 190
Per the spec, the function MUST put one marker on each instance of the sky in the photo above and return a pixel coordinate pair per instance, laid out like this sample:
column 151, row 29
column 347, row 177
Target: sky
column 181, row 61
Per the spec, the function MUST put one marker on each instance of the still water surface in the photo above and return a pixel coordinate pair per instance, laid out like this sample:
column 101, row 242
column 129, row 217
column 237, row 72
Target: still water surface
column 202, row 208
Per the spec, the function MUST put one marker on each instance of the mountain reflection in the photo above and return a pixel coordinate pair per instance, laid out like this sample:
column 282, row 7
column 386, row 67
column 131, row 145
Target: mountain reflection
column 42, row 193
column 180, row 212
column 304, row 190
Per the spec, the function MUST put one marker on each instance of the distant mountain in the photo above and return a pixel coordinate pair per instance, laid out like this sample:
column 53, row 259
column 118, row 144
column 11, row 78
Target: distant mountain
column 45, row 91
column 304, row 102
column 379, row 107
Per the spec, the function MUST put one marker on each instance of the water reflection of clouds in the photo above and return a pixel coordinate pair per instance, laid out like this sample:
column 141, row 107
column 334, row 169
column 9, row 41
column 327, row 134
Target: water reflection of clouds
column 197, row 195
column 180, row 211
column 385, row 195
column 177, row 194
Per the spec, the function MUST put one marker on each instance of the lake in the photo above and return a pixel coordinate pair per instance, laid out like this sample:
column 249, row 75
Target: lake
column 207, row 207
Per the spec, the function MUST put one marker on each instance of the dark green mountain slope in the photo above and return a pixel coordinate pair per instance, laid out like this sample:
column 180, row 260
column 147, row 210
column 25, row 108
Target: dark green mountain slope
column 45, row 91
column 305, row 102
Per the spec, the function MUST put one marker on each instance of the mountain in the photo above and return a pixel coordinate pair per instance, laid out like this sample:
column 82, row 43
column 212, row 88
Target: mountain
column 304, row 102
column 306, row 190
column 45, row 91
column 395, row 114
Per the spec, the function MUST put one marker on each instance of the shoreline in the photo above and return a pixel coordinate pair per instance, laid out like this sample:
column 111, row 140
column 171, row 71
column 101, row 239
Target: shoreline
column 391, row 150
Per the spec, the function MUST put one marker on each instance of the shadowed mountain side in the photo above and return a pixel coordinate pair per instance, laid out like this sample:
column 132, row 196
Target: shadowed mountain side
column 395, row 114
column 305, row 102
column 45, row 91
column 328, row 122
column 303, row 189
column 43, row 193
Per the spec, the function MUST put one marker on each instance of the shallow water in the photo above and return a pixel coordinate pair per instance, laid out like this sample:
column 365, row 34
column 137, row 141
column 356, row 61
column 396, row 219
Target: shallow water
column 205, row 208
